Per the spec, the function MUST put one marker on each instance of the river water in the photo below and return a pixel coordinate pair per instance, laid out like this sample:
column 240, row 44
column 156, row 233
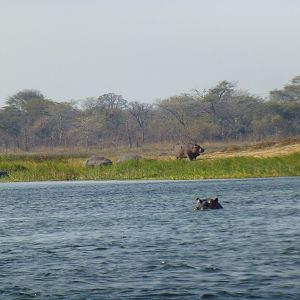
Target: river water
column 142, row 240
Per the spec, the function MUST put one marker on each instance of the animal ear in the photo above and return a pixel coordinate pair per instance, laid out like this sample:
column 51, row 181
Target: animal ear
column 216, row 199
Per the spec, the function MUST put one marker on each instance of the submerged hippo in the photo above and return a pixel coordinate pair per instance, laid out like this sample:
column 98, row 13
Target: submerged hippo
column 204, row 204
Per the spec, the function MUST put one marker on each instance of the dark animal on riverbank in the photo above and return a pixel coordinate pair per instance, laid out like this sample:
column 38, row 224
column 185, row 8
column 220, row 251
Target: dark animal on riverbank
column 189, row 151
column 96, row 161
column 204, row 204
column 3, row 173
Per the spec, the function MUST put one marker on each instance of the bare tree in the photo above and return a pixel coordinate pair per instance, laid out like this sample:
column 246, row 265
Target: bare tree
column 141, row 113
column 184, row 109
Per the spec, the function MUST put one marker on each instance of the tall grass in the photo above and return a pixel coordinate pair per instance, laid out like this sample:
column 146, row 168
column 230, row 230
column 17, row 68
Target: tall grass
column 60, row 167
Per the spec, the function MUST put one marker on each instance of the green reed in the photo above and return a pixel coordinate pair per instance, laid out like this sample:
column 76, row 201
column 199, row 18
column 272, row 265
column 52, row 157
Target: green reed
column 41, row 168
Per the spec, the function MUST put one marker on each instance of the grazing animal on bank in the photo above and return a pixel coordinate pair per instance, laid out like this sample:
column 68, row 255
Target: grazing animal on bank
column 188, row 151
column 3, row 173
column 204, row 204
column 95, row 161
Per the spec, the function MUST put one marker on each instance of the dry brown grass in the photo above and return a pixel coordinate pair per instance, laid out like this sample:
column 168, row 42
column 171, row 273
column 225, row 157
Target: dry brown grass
column 165, row 151
column 259, row 150
column 223, row 150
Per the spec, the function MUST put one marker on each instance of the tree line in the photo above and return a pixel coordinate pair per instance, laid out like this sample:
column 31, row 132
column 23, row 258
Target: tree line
column 222, row 113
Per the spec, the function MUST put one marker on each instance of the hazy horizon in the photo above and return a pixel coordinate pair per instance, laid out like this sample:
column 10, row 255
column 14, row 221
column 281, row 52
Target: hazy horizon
column 145, row 50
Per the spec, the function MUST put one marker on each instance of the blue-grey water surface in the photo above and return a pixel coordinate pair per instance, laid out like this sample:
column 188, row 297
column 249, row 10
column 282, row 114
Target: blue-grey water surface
column 142, row 240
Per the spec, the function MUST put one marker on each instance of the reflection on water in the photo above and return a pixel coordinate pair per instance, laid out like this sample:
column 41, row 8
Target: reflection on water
column 142, row 240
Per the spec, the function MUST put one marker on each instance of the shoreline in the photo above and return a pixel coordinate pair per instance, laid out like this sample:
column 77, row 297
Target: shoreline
column 132, row 181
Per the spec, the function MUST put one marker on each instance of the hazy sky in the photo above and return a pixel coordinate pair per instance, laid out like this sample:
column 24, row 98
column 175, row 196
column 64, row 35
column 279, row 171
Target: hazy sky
column 146, row 49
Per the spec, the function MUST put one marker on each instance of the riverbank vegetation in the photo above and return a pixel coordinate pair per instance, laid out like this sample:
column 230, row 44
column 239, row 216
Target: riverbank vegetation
column 30, row 121
column 231, row 161
column 41, row 139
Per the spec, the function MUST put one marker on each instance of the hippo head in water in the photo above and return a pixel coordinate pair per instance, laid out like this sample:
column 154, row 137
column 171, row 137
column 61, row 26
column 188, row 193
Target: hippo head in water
column 210, row 203
column 214, row 204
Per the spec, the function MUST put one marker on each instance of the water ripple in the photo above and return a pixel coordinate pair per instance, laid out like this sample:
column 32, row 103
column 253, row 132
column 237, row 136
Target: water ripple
column 142, row 240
